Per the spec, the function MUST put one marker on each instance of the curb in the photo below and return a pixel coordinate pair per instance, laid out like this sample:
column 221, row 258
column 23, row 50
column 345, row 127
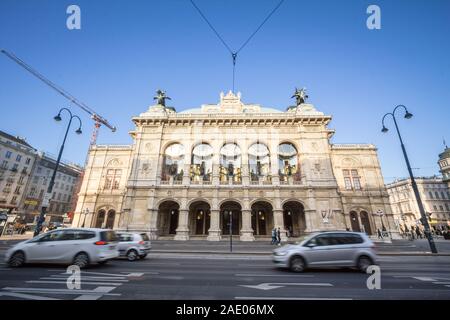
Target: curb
column 425, row 254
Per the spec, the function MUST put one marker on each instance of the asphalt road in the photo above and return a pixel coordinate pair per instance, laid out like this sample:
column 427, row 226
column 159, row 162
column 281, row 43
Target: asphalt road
column 202, row 276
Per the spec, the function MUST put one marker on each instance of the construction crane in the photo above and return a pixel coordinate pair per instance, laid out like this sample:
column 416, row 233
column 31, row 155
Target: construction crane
column 99, row 120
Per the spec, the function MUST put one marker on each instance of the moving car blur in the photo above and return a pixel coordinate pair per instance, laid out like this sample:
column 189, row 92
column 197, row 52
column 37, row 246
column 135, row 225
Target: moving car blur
column 133, row 245
column 328, row 249
column 70, row 246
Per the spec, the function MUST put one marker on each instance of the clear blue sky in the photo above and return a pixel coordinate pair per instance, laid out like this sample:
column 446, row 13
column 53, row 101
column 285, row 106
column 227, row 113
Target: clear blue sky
column 128, row 49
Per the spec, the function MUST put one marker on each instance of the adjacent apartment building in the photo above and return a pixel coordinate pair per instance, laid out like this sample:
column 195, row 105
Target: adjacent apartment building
column 17, row 159
column 64, row 190
column 435, row 196
column 444, row 165
column 25, row 175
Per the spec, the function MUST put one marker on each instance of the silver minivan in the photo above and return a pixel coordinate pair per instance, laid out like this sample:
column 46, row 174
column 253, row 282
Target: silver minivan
column 78, row 246
column 133, row 245
column 328, row 249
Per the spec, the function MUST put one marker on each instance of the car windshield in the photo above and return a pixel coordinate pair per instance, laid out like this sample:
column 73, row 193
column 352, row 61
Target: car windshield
column 305, row 238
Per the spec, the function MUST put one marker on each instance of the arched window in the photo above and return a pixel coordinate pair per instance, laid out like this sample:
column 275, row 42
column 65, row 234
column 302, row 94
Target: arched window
column 258, row 161
column 230, row 163
column 201, row 162
column 288, row 162
column 173, row 162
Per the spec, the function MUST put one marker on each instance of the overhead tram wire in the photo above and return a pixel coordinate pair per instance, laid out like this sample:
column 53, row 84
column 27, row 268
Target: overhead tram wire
column 234, row 54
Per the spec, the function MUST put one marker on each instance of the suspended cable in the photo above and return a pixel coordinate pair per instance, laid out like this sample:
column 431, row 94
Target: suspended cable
column 211, row 26
column 260, row 26
column 234, row 54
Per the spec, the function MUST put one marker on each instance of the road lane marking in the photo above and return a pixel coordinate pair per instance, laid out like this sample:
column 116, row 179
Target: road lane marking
column 96, row 291
column 82, row 282
column 129, row 274
column 272, row 275
column 277, row 285
column 90, row 277
column 85, row 279
column 428, row 279
column 25, row 296
column 287, row 298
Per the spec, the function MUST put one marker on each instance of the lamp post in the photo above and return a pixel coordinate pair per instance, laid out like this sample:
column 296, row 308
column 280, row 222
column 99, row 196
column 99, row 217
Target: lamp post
column 47, row 197
column 231, row 231
column 424, row 219
column 86, row 212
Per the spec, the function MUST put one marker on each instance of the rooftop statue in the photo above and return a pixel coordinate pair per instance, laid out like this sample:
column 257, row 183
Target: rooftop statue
column 161, row 98
column 300, row 96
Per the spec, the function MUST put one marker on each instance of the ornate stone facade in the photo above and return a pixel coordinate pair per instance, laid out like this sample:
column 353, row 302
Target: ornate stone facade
column 233, row 167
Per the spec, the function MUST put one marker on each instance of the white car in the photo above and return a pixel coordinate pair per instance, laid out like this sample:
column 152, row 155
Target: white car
column 133, row 245
column 328, row 249
column 79, row 247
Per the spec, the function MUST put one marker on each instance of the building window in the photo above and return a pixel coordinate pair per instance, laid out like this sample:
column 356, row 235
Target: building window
column 446, row 207
column 15, row 166
column 288, row 162
column 442, row 194
column 8, row 154
column 14, row 200
column 435, row 208
column 17, row 191
column 436, row 194
column 258, row 161
column 348, row 183
column 32, row 192
column 18, row 158
column 173, row 163
column 112, row 180
column 431, row 195
column 28, row 161
column 39, row 170
column 5, row 164
column 230, row 163
column 201, row 162
column 441, row 208
column 351, row 179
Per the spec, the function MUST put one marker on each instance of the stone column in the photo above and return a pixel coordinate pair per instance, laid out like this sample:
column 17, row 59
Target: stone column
column 187, row 174
column 245, row 175
column 214, row 232
column 309, row 219
column 215, row 176
column 278, row 221
column 153, row 223
column 183, row 228
column 246, row 230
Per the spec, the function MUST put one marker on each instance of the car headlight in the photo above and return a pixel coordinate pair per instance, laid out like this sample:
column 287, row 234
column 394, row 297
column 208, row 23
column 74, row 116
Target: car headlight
column 280, row 253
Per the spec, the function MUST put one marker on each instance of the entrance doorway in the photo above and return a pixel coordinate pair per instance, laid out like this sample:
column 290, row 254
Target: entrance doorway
column 168, row 213
column 294, row 218
column 262, row 218
column 354, row 221
column 199, row 218
column 230, row 214
column 366, row 222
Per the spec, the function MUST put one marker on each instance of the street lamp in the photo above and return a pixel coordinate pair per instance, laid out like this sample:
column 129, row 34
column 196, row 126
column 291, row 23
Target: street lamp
column 86, row 212
column 231, row 230
column 46, row 200
column 409, row 115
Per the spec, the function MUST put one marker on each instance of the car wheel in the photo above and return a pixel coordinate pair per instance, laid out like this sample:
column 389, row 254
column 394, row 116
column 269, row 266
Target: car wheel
column 142, row 256
column 363, row 263
column 132, row 255
column 297, row 264
column 17, row 259
column 81, row 260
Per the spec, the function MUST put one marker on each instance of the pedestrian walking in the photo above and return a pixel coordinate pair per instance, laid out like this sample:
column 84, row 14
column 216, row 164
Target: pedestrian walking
column 274, row 236
column 380, row 234
column 279, row 236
